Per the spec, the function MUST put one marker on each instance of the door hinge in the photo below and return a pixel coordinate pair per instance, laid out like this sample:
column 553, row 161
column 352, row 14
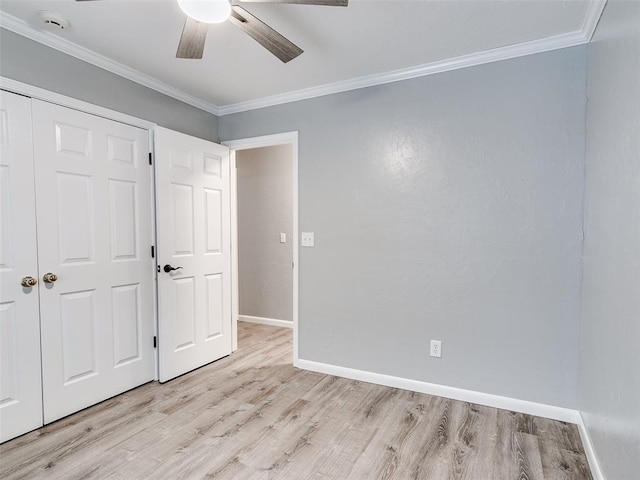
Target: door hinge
column 293, row 264
column 155, row 342
column 150, row 161
column 153, row 251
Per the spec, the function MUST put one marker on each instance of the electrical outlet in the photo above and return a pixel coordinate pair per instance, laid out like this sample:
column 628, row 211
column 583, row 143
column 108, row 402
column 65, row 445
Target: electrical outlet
column 283, row 238
column 436, row 348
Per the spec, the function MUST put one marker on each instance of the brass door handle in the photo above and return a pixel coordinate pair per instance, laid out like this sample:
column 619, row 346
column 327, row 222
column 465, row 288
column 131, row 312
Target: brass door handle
column 28, row 282
column 49, row 277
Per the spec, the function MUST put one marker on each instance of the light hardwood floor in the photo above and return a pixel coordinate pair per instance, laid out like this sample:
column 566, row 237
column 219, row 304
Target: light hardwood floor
column 253, row 416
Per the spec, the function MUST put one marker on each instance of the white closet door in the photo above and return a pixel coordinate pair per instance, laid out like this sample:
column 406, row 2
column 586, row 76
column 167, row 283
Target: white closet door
column 93, row 203
column 20, row 382
column 194, row 233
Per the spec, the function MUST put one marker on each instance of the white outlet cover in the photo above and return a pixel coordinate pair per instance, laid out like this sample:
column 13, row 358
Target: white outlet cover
column 435, row 349
column 283, row 238
column 308, row 239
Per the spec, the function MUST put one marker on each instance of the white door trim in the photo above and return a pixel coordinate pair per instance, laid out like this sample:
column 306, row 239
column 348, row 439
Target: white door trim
column 288, row 138
column 64, row 101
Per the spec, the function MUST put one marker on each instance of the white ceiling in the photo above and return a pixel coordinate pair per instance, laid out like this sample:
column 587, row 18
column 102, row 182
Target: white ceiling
column 369, row 38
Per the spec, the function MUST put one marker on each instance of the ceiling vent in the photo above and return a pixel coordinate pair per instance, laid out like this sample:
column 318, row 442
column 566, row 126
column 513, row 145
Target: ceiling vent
column 54, row 20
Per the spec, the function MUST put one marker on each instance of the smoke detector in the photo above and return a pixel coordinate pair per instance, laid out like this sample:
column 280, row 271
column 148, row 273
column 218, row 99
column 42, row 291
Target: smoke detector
column 54, row 20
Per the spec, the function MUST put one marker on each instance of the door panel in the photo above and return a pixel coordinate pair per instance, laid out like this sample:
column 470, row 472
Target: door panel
column 93, row 195
column 213, row 221
column 215, row 305
column 124, row 219
column 75, row 224
column 78, row 322
column 183, row 218
column 20, row 381
column 183, row 292
column 127, row 324
column 193, row 219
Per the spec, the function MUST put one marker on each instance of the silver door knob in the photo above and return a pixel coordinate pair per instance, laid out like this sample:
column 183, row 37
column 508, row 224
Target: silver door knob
column 49, row 277
column 28, row 282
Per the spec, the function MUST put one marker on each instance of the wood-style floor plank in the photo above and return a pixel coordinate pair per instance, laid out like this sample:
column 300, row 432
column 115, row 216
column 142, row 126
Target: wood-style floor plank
column 252, row 416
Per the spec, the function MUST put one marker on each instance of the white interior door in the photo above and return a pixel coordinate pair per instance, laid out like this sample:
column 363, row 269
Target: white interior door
column 93, row 196
column 20, row 381
column 194, row 235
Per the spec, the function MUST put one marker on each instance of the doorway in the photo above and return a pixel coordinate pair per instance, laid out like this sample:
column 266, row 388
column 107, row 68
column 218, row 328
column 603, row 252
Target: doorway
column 243, row 151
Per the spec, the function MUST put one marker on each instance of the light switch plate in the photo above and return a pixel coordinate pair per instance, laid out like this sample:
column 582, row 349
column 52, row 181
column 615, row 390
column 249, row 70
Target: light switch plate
column 283, row 238
column 307, row 239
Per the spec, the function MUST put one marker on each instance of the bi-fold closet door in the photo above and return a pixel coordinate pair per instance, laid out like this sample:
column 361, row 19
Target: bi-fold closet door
column 92, row 320
column 20, row 381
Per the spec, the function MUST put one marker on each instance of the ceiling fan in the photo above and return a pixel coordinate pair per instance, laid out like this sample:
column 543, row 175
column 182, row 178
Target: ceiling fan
column 200, row 13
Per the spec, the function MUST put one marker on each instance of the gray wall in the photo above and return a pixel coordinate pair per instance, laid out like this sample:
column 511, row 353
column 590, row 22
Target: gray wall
column 610, row 343
column 265, row 209
column 30, row 62
column 446, row 207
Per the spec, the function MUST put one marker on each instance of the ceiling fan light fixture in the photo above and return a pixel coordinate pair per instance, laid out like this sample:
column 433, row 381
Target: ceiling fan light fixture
column 206, row 11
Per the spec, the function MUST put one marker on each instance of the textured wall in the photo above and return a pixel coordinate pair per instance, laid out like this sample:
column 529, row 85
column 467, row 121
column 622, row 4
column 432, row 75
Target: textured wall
column 610, row 343
column 265, row 209
column 30, row 62
column 445, row 207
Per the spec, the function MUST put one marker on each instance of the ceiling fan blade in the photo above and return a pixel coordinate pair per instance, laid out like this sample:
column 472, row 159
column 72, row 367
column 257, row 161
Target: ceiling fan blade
column 192, row 40
column 264, row 34
column 329, row 3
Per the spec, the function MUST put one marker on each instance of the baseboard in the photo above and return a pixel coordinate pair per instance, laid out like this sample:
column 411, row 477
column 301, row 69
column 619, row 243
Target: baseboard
column 266, row 321
column 589, row 450
column 505, row 403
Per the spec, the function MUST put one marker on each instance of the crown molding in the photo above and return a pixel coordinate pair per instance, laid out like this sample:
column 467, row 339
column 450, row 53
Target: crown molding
column 592, row 17
column 571, row 39
column 9, row 22
column 502, row 53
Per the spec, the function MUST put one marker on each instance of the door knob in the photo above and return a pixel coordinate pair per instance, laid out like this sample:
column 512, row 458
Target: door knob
column 28, row 282
column 49, row 277
column 168, row 268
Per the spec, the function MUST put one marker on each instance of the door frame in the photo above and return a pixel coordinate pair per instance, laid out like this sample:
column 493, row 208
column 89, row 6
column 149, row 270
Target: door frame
column 288, row 138
column 27, row 90
column 31, row 91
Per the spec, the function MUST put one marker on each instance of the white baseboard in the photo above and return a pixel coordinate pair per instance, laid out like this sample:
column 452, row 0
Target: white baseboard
column 589, row 450
column 506, row 403
column 266, row 321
